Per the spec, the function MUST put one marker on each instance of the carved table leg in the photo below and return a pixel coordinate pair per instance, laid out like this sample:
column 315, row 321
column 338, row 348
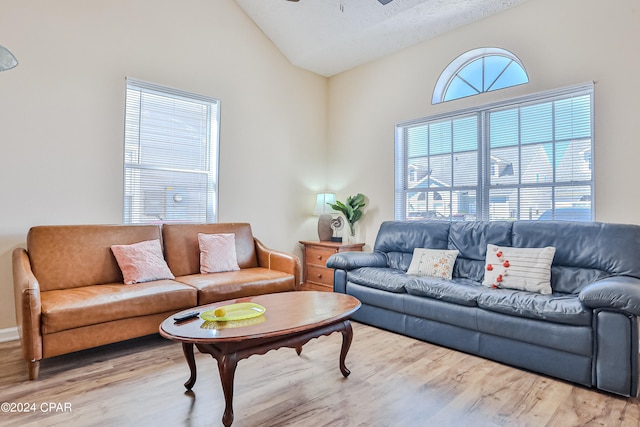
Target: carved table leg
column 227, row 367
column 347, row 336
column 227, row 355
column 187, row 349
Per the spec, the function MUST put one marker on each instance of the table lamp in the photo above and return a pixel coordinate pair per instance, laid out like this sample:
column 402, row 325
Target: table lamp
column 7, row 60
column 324, row 211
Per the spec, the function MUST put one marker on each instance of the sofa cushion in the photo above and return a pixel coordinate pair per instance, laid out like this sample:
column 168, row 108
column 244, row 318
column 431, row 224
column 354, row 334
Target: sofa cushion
column 60, row 255
column 237, row 284
column 469, row 269
column 457, row 291
column 557, row 307
column 471, row 239
column 64, row 309
column 441, row 311
column 386, row 279
column 217, row 253
column 397, row 239
column 182, row 251
column 368, row 296
column 576, row 339
column 432, row 263
column 571, row 280
column 610, row 248
column 141, row 262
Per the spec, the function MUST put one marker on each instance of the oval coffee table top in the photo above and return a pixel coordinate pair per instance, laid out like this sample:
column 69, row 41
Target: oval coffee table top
column 286, row 313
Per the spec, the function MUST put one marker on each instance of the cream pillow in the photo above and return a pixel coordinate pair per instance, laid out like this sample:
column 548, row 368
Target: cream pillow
column 525, row 269
column 217, row 253
column 433, row 262
column 141, row 262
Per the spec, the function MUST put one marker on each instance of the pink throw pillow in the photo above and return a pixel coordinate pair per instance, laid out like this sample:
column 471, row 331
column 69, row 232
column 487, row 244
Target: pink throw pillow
column 217, row 253
column 142, row 262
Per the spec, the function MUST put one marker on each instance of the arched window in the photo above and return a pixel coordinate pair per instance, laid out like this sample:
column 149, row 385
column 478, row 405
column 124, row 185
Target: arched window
column 478, row 71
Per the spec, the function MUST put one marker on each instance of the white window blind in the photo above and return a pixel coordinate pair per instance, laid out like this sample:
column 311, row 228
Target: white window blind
column 528, row 158
column 170, row 155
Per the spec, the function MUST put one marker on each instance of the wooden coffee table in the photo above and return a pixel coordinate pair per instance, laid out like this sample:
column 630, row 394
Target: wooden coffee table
column 291, row 319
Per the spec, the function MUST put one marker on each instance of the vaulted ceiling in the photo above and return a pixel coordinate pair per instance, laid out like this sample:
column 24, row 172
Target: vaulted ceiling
column 331, row 36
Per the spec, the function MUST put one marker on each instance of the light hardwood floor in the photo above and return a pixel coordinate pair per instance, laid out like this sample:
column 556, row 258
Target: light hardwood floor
column 395, row 381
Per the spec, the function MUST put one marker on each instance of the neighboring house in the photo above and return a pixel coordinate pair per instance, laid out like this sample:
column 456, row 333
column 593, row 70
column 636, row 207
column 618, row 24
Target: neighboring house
column 437, row 201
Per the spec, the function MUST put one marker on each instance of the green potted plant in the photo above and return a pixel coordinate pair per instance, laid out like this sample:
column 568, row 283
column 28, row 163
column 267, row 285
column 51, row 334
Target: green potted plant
column 351, row 209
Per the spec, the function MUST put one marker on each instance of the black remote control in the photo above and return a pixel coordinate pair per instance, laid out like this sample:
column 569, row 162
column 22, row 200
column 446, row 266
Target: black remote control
column 186, row 316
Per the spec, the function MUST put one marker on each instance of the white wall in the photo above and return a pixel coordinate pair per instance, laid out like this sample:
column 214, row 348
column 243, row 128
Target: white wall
column 561, row 43
column 62, row 109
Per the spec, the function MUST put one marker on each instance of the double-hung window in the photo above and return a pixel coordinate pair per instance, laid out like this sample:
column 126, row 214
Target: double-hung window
column 170, row 155
column 528, row 158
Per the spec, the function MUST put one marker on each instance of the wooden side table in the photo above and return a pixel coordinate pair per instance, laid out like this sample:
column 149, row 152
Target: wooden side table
column 316, row 275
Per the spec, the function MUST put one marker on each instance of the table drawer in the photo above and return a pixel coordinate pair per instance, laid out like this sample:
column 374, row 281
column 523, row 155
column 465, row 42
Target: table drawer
column 318, row 256
column 320, row 275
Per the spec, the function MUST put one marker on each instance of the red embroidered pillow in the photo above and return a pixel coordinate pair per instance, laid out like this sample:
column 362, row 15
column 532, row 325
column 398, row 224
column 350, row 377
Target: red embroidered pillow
column 141, row 262
column 217, row 253
column 525, row 269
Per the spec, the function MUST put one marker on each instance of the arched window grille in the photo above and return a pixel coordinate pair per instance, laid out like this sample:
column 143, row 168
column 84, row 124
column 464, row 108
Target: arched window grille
column 478, row 71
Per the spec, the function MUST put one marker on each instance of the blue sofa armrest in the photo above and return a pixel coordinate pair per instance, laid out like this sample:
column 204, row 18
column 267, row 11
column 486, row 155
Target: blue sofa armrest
column 620, row 293
column 353, row 260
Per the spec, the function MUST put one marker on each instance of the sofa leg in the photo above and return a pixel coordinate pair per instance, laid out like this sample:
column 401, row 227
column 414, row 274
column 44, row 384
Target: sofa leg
column 34, row 369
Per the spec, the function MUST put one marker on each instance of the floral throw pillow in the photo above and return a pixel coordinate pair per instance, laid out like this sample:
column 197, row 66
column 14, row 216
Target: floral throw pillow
column 525, row 269
column 433, row 262
column 141, row 262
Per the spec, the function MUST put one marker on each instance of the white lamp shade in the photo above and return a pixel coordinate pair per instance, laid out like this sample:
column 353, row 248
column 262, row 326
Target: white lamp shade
column 321, row 203
column 7, row 60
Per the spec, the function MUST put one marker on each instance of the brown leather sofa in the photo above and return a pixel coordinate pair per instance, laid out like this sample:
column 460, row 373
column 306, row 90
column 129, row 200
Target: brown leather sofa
column 70, row 295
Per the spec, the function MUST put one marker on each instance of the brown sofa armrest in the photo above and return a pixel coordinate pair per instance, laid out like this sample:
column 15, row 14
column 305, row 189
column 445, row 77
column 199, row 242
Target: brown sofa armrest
column 277, row 260
column 28, row 309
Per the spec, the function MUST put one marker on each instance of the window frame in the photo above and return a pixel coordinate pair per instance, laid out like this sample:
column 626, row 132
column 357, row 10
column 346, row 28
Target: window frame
column 483, row 205
column 456, row 66
column 168, row 166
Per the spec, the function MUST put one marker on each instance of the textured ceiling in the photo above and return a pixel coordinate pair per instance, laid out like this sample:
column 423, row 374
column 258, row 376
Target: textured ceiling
column 331, row 36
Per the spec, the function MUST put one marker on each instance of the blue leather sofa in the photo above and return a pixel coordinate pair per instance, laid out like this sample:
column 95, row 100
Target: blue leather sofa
column 585, row 331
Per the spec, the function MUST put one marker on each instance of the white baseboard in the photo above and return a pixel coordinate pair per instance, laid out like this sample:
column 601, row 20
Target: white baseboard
column 9, row 334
